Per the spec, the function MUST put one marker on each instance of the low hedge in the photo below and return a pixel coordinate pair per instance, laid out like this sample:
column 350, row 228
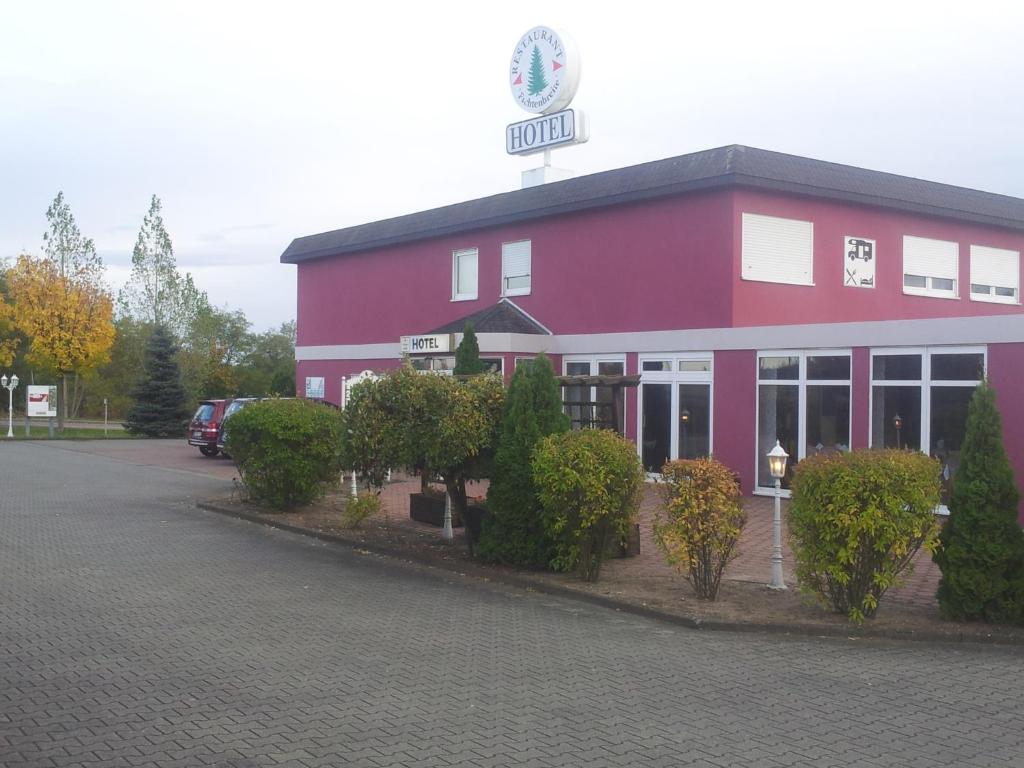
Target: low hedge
column 699, row 521
column 286, row 451
column 856, row 521
column 589, row 483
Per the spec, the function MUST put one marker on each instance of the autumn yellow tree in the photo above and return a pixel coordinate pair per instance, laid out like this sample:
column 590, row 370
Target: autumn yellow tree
column 8, row 337
column 61, row 302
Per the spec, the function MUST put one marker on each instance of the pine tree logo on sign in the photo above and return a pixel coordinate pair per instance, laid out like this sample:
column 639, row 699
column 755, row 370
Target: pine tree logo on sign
column 545, row 71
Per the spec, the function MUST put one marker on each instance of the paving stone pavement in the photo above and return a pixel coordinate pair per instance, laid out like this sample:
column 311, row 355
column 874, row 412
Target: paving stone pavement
column 136, row 630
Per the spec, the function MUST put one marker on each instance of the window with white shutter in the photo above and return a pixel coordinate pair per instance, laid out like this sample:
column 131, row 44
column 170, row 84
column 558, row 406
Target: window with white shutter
column 995, row 274
column 777, row 250
column 930, row 267
column 515, row 268
column 464, row 274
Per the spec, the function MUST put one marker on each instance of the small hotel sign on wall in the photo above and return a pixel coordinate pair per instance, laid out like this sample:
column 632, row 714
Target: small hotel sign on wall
column 412, row 345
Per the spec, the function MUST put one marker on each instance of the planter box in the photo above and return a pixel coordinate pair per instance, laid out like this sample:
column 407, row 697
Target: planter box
column 474, row 522
column 427, row 508
column 630, row 549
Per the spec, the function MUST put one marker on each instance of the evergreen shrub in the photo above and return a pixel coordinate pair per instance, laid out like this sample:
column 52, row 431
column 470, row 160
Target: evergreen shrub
column 589, row 483
column 982, row 552
column 287, row 451
column 513, row 530
column 857, row 519
column 159, row 408
column 700, row 521
column 467, row 354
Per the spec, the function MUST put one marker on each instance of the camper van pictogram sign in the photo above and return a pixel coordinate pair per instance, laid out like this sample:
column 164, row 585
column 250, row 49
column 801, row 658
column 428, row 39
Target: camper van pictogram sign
column 858, row 262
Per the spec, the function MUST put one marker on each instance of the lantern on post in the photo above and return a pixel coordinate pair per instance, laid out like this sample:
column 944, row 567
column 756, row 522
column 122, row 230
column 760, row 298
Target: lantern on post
column 777, row 458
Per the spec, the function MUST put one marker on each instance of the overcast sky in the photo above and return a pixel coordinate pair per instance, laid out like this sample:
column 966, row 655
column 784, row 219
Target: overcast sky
column 256, row 123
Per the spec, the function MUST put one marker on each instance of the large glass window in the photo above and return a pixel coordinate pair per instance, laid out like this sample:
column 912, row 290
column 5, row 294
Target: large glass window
column 675, row 408
column 803, row 401
column 919, row 400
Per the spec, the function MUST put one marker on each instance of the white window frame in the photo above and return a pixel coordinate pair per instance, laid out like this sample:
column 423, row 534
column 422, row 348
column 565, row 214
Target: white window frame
column 929, row 288
column 456, row 255
column 522, row 291
column 593, row 360
column 752, row 269
column 992, row 296
column 801, row 383
column 924, row 384
column 674, row 378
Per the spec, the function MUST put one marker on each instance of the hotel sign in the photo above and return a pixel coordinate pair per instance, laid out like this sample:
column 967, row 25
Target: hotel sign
column 438, row 342
column 546, row 131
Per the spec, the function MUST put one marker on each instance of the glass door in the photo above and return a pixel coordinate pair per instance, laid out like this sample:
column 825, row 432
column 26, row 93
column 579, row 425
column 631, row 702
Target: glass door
column 656, row 432
column 675, row 408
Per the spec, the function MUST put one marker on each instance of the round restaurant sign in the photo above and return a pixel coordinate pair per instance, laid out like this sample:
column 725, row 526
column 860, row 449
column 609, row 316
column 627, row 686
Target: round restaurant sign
column 545, row 71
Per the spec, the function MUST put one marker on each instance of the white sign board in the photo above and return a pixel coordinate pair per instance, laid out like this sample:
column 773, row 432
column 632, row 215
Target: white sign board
column 42, row 400
column 348, row 382
column 859, row 256
column 545, row 71
column 315, row 387
column 546, row 131
column 438, row 342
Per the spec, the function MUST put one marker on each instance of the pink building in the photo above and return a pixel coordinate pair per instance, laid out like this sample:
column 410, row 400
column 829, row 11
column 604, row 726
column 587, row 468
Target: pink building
column 759, row 296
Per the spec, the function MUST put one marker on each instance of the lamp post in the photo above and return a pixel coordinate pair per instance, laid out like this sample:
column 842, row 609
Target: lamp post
column 684, row 418
column 777, row 465
column 10, row 386
column 897, row 421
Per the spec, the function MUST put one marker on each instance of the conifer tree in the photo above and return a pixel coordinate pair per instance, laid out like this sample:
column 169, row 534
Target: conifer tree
column 535, row 80
column 547, row 397
column 982, row 544
column 159, row 409
column 513, row 529
column 467, row 354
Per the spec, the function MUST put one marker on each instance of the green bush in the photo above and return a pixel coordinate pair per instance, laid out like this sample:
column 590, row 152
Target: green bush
column 857, row 520
column 467, row 354
column 982, row 552
column 513, row 530
column 700, row 521
column 360, row 508
column 589, row 483
column 286, row 451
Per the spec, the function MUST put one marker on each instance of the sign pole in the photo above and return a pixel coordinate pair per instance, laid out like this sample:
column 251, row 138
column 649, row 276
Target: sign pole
column 104, row 417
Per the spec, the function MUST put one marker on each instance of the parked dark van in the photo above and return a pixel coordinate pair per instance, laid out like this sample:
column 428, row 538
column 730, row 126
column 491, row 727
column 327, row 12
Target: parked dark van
column 205, row 426
column 234, row 407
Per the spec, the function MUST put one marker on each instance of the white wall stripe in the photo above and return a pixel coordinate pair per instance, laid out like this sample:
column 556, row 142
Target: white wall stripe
column 994, row 329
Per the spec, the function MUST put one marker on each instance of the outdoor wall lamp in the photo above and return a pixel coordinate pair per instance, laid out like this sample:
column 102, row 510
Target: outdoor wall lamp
column 684, row 416
column 777, row 457
column 10, row 386
column 897, row 421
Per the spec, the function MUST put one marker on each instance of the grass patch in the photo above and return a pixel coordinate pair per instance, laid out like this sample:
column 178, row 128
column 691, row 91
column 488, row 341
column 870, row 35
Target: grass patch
column 41, row 432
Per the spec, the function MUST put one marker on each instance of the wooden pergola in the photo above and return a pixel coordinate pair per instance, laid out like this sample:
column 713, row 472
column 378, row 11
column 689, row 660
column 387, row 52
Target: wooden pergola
column 597, row 414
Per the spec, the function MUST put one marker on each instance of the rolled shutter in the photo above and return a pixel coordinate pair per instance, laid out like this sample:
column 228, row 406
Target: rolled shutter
column 777, row 250
column 930, row 258
column 515, row 259
column 997, row 267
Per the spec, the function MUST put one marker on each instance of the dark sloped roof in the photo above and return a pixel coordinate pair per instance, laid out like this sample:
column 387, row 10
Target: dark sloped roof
column 503, row 317
column 731, row 166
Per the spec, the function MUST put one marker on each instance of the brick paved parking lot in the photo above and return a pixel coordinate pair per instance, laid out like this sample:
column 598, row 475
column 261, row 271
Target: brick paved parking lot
column 136, row 630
